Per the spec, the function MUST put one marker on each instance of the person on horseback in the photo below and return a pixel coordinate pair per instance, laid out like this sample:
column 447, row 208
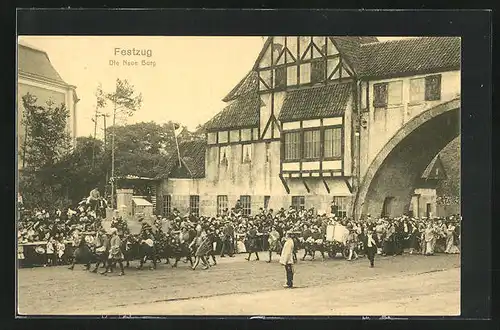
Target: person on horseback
column 81, row 250
column 147, row 249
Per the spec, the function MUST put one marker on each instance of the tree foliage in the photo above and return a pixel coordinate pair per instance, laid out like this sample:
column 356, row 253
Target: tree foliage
column 47, row 139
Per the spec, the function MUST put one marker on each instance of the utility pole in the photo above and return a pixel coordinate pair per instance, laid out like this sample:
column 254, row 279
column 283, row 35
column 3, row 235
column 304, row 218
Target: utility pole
column 113, row 156
column 95, row 135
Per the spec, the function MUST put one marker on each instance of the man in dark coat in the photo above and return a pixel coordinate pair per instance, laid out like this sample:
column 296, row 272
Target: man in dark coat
column 371, row 243
column 227, row 244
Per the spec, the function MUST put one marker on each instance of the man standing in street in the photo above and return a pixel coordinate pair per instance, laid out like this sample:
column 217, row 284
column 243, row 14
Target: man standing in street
column 227, row 244
column 371, row 244
column 286, row 259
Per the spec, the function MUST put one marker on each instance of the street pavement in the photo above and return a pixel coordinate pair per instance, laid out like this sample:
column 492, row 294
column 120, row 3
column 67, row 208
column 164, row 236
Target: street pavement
column 402, row 285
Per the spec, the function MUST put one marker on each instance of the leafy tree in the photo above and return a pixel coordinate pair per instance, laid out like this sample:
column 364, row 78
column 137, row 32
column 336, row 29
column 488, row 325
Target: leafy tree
column 47, row 139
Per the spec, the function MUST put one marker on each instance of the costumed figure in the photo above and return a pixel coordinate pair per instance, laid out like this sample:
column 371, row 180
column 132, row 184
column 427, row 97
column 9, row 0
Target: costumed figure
column 274, row 243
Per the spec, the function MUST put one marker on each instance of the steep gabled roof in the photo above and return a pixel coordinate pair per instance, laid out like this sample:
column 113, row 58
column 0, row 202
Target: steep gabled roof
column 409, row 56
column 37, row 63
column 192, row 157
column 318, row 102
column 242, row 112
column 248, row 84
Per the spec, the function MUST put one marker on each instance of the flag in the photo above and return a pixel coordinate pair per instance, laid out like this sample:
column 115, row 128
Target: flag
column 177, row 129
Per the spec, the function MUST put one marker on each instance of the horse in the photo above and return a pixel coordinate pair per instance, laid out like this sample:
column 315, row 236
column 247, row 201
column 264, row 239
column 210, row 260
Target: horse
column 83, row 254
column 180, row 250
column 311, row 246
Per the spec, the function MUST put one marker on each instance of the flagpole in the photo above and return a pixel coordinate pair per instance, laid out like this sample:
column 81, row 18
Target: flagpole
column 177, row 145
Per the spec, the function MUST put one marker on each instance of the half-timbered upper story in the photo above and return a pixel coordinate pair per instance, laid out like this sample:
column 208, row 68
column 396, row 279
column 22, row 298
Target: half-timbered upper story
column 307, row 94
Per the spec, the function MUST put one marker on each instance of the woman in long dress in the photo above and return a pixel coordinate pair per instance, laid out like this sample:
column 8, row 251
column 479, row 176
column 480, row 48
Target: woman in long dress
column 430, row 239
column 202, row 246
column 451, row 246
column 274, row 243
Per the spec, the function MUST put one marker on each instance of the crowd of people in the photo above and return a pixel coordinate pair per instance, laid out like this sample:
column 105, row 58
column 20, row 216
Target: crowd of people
column 233, row 232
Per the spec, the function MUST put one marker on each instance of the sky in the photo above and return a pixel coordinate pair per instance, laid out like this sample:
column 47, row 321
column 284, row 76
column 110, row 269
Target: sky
column 186, row 84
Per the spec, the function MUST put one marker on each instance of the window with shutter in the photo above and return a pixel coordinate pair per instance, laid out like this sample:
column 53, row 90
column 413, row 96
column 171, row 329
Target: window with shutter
column 318, row 71
column 433, row 88
column 380, row 95
column 280, row 79
column 292, row 146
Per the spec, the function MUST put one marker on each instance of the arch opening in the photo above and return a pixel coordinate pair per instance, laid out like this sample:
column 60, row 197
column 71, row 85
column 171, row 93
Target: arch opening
column 398, row 167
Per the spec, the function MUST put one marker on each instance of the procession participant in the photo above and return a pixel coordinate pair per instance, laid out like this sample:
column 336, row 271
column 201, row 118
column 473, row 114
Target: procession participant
column 228, row 241
column 451, row 239
column 274, row 243
column 201, row 245
column 252, row 242
column 398, row 237
column 430, row 239
column 115, row 252
column 371, row 243
column 413, row 237
column 75, row 243
column 147, row 247
column 212, row 240
column 101, row 243
column 286, row 259
column 388, row 243
column 352, row 242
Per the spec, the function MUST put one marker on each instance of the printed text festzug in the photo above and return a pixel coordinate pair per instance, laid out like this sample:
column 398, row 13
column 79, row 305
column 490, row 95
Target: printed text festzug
column 132, row 52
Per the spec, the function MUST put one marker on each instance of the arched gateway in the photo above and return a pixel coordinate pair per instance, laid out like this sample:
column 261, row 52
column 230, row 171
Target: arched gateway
column 393, row 173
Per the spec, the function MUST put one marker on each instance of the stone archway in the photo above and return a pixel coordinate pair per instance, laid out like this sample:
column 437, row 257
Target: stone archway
column 400, row 163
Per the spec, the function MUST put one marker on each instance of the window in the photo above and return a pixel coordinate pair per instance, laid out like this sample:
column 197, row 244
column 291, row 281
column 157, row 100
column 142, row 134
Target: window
column 312, row 144
column 167, row 205
column 234, row 136
column 433, row 88
column 223, row 136
column 380, row 95
column 291, row 75
column 292, row 145
column 246, row 153
column 246, row 205
column 395, row 94
column 194, row 205
column 298, row 202
column 425, row 89
column 221, row 204
column 224, row 155
column 333, row 142
column 341, row 203
column 417, row 90
column 318, row 71
column 266, row 202
column 280, row 79
column 305, row 73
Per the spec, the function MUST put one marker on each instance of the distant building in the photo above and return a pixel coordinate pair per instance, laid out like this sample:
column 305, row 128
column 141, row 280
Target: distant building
column 37, row 76
column 348, row 120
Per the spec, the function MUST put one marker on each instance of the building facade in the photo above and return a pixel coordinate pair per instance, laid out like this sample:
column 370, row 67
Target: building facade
column 37, row 76
column 303, row 127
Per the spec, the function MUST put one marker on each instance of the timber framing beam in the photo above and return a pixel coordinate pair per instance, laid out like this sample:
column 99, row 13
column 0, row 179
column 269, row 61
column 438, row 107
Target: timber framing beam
column 326, row 185
column 283, row 181
column 305, row 185
column 349, row 186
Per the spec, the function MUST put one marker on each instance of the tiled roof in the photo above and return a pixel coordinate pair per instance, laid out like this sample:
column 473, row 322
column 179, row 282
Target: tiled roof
column 409, row 56
column 248, row 84
column 242, row 112
column 36, row 62
column 193, row 158
column 318, row 102
column 349, row 47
